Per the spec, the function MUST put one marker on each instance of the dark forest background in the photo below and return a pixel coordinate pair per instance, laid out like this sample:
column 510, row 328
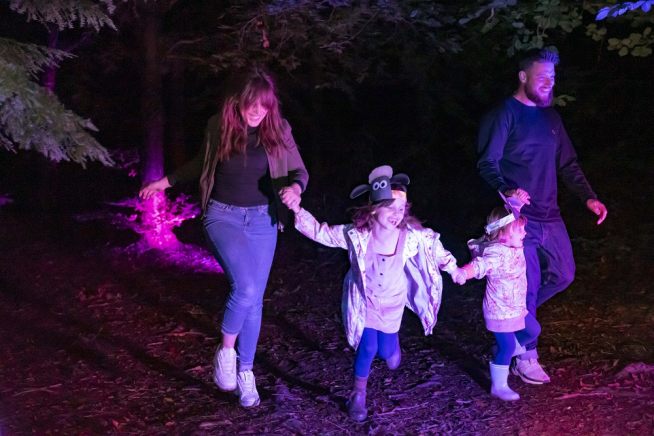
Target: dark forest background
column 100, row 336
column 362, row 84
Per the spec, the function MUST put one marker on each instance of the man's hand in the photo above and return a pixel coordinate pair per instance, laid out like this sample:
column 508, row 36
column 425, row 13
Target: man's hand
column 598, row 208
column 520, row 194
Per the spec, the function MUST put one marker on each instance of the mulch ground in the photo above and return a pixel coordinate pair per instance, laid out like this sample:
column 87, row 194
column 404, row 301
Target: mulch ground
column 98, row 340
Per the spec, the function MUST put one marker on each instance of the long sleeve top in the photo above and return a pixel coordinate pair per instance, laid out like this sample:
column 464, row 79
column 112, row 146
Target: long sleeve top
column 286, row 167
column 505, row 300
column 526, row 147
column 423, row 257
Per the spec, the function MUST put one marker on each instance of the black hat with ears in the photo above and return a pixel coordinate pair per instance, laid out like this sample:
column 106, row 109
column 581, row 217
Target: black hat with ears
column 383, row 185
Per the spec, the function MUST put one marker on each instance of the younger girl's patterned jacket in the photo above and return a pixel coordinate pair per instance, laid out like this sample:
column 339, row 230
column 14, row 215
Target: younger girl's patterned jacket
column 505, row 302
column 423, row 256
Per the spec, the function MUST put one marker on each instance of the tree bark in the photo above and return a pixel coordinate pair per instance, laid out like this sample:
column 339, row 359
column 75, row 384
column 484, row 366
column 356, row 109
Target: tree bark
column 151, row 99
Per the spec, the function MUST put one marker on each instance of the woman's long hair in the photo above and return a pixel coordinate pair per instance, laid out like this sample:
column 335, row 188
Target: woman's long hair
column 363, row 216
column 246, row 88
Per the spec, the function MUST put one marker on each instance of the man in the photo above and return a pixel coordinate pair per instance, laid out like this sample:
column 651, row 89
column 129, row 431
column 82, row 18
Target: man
column 523, row 147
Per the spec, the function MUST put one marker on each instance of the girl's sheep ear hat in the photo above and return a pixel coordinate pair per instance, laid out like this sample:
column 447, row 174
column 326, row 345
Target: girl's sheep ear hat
column 383, row 185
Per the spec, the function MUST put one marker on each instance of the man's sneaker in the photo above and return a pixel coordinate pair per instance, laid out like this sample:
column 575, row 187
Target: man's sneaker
column 247, row 389
column 224, row 369
column 530, row 371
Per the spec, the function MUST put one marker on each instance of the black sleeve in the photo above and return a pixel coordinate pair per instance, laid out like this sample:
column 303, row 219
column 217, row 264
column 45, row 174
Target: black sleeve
column 569, row 170
column 493, row 135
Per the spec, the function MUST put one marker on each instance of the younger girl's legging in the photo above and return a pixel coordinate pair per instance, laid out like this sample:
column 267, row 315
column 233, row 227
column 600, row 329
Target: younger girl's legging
column 506, row 341
column 374, row 343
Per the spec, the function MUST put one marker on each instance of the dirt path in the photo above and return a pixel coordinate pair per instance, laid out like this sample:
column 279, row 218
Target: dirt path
column 96, row 342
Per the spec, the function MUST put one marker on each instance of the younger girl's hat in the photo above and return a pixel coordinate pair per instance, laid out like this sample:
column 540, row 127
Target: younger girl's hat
column 512, row 206
column 383, row 185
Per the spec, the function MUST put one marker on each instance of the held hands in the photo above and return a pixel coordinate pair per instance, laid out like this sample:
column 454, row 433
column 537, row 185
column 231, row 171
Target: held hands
column 459, row 276
column 519, row 193
column 154, row 187
column 290, row 196
column 598, row 208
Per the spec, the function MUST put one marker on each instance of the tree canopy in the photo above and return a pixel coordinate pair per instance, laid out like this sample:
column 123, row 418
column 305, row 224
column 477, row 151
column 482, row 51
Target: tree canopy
column 31, row 117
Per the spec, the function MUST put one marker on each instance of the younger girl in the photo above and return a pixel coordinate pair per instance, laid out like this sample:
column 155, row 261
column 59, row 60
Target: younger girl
column 499, row 257
column 394, row 262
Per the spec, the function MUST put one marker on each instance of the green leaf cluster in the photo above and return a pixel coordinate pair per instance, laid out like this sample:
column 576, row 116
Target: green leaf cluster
column 330, row 42
column 636, row 44
column 31, row 117
column 531, row 23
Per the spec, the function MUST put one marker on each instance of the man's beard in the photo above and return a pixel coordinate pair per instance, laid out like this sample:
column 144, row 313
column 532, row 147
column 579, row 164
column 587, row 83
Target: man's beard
column 537, row 99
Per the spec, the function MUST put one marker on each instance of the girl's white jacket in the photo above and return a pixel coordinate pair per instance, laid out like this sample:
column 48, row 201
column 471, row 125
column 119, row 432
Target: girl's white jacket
column 423, row 256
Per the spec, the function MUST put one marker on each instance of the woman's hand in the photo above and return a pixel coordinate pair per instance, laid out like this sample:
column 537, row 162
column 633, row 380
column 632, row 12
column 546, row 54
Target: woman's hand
column 154, row 187
column 290, row 196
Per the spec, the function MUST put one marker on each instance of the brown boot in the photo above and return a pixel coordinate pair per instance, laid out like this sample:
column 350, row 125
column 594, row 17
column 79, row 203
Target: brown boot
column 356, row 405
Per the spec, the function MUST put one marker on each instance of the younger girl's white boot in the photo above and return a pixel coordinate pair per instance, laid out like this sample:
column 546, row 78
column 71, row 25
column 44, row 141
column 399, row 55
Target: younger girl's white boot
column 499, row 385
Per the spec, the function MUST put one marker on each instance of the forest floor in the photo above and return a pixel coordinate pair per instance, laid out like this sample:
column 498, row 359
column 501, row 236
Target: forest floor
column 97, row 340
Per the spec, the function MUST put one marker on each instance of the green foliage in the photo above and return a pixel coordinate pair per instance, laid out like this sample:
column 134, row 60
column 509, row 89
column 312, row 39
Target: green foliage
column 640, row 40
column 32, row 118
column 31, row 59
column 528, row 22
column 563, row 100
column 531, row 23
column 66, row 14
column 35, row 120
column 636, row 44
column 330, row 43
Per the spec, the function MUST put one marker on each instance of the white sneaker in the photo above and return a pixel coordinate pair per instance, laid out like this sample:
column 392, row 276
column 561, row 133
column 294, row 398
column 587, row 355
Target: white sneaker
column 247, row 389
column 224, row 369
column 530, row 371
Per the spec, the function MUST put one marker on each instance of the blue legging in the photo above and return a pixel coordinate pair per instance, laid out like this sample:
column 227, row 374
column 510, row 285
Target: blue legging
column 374, row 343
column 506, row 341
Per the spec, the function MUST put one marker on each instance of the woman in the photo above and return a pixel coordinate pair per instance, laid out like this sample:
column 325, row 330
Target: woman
column 248, row 166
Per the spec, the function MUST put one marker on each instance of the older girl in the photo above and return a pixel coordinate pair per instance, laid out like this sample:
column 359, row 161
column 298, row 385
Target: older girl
column 248, row 165
column 394, row 262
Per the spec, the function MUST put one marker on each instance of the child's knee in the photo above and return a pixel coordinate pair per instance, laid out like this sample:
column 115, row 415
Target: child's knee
column 368, row 349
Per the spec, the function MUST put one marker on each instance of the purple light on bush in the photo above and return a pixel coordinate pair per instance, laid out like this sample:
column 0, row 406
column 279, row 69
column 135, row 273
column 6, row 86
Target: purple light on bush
column 159, row 217
column 154, row 220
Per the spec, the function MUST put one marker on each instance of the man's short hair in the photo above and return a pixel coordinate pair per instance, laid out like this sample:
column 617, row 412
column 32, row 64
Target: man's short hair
column 537, row 55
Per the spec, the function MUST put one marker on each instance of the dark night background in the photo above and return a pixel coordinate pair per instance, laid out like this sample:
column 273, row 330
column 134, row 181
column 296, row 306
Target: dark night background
column 416, row 110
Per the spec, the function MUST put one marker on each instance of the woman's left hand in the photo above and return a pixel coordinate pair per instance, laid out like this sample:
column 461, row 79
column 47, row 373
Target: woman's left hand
column 290, row 196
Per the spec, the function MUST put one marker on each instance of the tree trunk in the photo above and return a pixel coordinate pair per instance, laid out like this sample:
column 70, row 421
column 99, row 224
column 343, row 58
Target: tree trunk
column 47, row 169
column 156, row 218
column 176, row 136
column 151, row 100
column 49, row 76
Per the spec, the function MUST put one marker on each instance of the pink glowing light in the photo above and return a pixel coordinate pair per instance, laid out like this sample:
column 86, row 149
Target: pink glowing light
column 154, row 219
column 5, row 199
